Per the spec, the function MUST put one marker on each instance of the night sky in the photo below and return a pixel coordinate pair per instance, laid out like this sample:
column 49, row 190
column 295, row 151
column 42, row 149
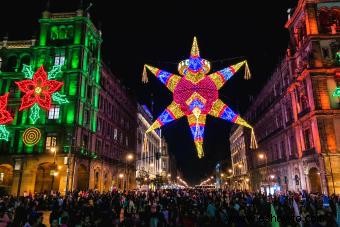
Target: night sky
column 160, row 33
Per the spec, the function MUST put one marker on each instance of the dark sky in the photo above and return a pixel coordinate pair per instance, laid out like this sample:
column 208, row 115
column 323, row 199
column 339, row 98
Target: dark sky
column 160, row 33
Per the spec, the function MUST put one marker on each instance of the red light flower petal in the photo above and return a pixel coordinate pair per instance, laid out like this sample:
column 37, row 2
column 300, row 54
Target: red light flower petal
column 3, row 101
column 51, row 86
column 28, row 100
column 44, row 100
column 26, row 85
column 40, row 76
column 5, row 117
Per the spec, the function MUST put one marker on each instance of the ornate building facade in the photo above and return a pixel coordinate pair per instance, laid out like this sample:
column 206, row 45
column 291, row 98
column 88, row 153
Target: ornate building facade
column 240, row 159
column 63, row 150
column 116, row 133
column 153, row 161
column 296, row 116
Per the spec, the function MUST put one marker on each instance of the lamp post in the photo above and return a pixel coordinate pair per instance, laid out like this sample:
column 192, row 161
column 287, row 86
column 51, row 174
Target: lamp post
column 54, row 151
column 128, row 158
column 121, row 176
column 263, row 156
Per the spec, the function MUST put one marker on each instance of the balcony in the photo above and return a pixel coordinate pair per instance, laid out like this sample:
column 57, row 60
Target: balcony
column 292, row 157
column 308, row 152
column 304, row 112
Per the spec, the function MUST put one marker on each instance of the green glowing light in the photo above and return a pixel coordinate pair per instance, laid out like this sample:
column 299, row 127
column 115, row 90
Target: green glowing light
column 34, row 116
column 70, row 114
column 56, row 69
column 59, row 98
column 27, row 70
column 336, row 92
column 3, row 133
column 73, row 88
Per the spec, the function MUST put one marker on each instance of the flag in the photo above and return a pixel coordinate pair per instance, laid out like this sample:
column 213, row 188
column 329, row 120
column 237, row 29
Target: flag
column 274, row 217
column 296, row 212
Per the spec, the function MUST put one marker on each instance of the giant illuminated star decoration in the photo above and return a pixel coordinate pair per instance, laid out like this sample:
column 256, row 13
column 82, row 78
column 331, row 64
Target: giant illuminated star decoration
column 195, row 95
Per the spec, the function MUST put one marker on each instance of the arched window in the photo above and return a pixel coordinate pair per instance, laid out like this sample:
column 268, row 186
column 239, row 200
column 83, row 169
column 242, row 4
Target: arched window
column 54, row 33
column 62, row 32
column 69, row 32
column 25, row 60
column 11, row 64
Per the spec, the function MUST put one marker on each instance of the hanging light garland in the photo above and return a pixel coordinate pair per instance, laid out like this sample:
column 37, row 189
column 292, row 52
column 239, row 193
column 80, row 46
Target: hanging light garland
column 195, row 95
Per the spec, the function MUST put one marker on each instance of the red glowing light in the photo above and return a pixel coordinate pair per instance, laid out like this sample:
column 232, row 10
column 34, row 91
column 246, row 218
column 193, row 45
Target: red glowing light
column 38, row 90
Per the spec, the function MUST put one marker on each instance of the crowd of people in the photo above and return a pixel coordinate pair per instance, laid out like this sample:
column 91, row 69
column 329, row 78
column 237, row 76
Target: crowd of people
column 167, row 208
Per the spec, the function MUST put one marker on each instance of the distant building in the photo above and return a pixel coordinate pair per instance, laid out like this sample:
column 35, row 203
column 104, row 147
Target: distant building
column 240, row 175
column 116, row 133
column 153, row 160
column 296, row 116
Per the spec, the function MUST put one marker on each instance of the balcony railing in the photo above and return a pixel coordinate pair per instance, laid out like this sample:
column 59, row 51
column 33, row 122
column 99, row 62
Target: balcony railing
column 303, row 112
column 308, row 152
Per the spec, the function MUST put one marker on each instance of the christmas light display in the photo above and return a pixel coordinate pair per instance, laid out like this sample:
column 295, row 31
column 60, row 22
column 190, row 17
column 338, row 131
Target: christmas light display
column 195, row 94
column 336, row 92
column 31, row 136
column 5, row 117
column 40, row 90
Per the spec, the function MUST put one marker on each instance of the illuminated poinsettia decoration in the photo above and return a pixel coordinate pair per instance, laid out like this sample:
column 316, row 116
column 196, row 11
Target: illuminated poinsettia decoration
column 195, row 95
column 39, row 90
column 5, row 117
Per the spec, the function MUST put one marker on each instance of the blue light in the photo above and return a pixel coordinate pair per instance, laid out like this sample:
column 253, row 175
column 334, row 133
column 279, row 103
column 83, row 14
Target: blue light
column 195, row 64
column 196, row 103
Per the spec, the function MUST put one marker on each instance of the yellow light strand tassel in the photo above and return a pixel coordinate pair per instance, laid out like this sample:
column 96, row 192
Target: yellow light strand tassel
column 253, row 142
column 145, row 75
column 247, row 74
column 199, row 148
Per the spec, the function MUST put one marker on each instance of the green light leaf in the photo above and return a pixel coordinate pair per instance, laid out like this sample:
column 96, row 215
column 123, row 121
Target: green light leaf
column 336, row 92
column 34, row 116
column 56, row 69
column 27, row 70
column 59, row 98
column 3, row 133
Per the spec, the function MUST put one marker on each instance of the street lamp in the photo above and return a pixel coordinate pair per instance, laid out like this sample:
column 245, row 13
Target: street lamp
column 121, row 176
column 53, row 171
column 263, row 156
column 128, row 158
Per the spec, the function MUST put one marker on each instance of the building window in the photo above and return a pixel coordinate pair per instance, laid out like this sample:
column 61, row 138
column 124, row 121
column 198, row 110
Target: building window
column 51, row 141
column 86, row 118
column 289, row 113
column 99, row 124
column 85, row 141
column 59, row 58
column 98, row 146
column 115, row 134
column 282, row 149
column 2, row 175
column 307, row 139
column 53, row 113
column 325, row 52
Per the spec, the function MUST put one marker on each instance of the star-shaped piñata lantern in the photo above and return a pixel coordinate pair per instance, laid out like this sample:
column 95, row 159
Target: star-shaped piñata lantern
column 195, row 94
